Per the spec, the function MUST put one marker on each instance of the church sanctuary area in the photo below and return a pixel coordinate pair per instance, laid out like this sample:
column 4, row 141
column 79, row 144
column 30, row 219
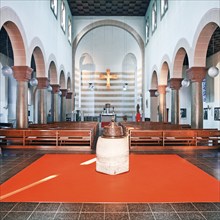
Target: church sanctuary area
column 110, row 109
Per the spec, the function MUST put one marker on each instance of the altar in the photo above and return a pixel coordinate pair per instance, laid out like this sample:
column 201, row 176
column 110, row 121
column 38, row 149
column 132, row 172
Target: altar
column 106, row 118
column 107, row 115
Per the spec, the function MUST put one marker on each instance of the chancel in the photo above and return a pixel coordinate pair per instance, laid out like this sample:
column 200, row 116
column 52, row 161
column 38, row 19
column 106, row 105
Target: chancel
column 110, row 59
column 108, row 76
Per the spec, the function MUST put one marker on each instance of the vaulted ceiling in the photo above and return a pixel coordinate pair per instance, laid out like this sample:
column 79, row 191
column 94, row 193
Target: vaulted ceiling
column 108, row 7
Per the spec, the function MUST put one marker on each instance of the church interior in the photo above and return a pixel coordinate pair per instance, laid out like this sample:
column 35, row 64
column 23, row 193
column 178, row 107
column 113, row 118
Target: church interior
column 110, row 109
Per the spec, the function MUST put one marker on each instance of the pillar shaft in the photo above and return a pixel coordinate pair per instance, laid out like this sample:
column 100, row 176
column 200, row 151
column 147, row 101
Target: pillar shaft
column 69, row 102
column 162, row 103
column 196, row 75
column 43, row 83
column 55, row 102
column 63, row 104
column 175, row 85
column 22, row 74
column 153, row 105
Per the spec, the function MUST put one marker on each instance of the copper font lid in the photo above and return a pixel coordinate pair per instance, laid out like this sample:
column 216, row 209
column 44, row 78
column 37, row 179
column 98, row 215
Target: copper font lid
column 113, row 130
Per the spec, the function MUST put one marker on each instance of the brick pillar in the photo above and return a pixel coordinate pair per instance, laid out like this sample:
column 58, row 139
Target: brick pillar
column 55, row 102
column 162, row 103
column 196, row 75
column 63, row 104
column 175, row 85
column 43, row 83
column 153, row 105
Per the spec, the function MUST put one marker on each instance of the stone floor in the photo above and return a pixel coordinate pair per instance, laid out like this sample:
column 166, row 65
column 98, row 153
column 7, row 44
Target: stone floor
column 13, row 161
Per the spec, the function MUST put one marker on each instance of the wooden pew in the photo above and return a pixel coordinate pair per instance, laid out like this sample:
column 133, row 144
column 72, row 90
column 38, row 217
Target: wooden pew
column 208, row 137
column 41, row 137
column 146, row 137
column 12, row 136
column 179, row 137
column 74, row 137
column 215, row 137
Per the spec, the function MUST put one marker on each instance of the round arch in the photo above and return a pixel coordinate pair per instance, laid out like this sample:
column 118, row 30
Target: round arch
column 36, row 48
column 178, row 63
column 12, row 24
column 69, row 84
column 154, row 80
column 109, row 22
column 53, row 73
column 62, row 80
column 86, row 62
column 129, row 63
column 163, row 77
column 39, row 61
column 181, row 50
column 203, row 34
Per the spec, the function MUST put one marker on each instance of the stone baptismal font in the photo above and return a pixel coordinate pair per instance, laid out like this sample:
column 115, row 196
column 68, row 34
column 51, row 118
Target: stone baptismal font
column 112, row 150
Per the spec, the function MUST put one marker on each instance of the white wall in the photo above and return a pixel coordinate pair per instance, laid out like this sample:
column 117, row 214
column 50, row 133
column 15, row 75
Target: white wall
column 108, row 46
column 138, row 23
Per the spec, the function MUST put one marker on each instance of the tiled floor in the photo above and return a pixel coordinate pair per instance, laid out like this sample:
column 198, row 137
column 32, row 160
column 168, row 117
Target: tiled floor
column 11, row 162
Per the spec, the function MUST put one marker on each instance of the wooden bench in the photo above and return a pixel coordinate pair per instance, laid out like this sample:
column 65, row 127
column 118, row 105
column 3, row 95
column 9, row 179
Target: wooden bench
column 11, row 136
column 74, row 137
column 208, row 137
column 215, row 137
column 146, row 137
column 41, row 137
column 179, row 137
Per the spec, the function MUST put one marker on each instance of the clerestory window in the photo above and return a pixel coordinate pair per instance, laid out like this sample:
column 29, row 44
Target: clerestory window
column 154, row 16
column 53, row 5
column 63, row 16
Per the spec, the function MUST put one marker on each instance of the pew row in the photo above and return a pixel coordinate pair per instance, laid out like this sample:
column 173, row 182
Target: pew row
column 183, row 137
column 65, row 138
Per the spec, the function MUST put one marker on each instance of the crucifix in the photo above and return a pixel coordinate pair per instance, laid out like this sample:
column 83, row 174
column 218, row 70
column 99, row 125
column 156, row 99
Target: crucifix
column 107, row 76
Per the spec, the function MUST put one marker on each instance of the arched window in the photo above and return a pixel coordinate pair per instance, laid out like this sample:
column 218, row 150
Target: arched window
column 53, row 5
column 163, row 7
column 63, row 16
column 147, row 30
column 69, row 30
column 154, row 16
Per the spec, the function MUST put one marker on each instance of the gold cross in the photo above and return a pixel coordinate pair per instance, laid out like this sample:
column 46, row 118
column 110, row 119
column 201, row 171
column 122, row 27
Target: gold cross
column 108, row 77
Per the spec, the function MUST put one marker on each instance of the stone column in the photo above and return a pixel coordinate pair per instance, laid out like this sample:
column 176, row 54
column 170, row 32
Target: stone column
column 175, row 85
column 55, row 102
column 153, row 105
column 162, row 103
column 22, row 74
column 63, row 104
column 69, row 102
column 43, row 83
column 196, row 75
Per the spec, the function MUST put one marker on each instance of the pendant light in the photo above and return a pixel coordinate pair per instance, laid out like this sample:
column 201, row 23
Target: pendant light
column 7, row 70
column 213, row 71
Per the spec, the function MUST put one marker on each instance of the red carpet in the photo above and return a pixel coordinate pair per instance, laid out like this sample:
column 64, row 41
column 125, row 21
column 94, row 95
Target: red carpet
column 152, row 178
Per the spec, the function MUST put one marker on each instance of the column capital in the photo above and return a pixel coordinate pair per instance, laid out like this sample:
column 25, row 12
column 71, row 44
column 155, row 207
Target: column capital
column 69, row 95
column 64, row 92
column 162, row 89
column 175, row 83
column 22, row 73
column 196, row 74
column 152, row 92
column 55, row 88
column 43, row 82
